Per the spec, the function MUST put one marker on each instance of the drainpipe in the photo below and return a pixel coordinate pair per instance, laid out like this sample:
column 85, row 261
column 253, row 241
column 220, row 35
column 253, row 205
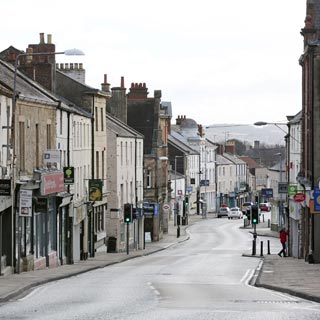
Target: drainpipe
column 92, row 253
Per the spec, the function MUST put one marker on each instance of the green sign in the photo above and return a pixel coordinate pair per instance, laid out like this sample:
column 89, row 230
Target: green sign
column 95, row 190
column 68, row 174
column 292, row 190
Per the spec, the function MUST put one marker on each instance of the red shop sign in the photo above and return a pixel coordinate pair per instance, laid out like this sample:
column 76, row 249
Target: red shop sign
column 52, row 183
column 299, row 197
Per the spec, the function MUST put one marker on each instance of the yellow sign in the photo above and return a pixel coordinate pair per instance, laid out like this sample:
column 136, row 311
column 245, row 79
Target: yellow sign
column 95, row 190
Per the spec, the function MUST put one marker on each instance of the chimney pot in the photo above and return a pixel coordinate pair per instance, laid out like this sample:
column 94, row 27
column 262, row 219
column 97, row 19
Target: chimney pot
column 41, row 38
column 122, row 82
column 49, row 38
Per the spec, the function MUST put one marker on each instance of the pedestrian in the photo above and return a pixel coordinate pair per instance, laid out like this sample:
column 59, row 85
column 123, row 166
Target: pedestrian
column 283, row 239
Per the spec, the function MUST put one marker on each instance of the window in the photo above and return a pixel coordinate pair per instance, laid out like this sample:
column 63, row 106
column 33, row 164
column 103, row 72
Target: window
column 102, row 164
column 97, row 165
column 126, row 152
column 22, row 150
column 61, row 122
column 49, row 136
column 148, row 182
column 37, row 146
column 102, row 127
column 121, row 153
column 96, row 115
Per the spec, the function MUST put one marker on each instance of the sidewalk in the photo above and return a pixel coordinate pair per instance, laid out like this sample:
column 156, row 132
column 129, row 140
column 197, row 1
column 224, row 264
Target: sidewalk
column 15, row 284
column 289, row 275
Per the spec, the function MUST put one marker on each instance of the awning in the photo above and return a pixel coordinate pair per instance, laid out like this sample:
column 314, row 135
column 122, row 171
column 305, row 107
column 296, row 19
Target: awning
column 66, row 198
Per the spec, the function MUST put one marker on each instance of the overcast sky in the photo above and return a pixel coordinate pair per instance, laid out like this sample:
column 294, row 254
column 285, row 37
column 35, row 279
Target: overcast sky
column 217, row 61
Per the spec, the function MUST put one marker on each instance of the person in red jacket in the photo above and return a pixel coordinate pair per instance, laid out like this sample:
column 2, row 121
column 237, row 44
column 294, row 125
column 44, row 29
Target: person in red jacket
column 283, row 239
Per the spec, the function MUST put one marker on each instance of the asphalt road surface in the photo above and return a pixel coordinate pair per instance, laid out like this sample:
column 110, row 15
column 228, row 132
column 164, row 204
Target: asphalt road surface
column 205, row 277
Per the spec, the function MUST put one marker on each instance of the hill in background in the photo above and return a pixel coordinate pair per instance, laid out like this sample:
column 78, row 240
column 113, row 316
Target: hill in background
column 268, row 135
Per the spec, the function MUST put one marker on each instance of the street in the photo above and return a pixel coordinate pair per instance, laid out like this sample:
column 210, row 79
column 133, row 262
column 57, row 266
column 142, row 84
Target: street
column 206, row 277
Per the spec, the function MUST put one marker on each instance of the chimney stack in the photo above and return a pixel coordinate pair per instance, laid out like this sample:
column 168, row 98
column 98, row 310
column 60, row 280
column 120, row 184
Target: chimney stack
column 105, row 86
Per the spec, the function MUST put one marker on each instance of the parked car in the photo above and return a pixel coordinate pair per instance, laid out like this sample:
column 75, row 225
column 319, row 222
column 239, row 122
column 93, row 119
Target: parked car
column 245, row 206
column 264, row 206
column 235, row 213
column 223, row 212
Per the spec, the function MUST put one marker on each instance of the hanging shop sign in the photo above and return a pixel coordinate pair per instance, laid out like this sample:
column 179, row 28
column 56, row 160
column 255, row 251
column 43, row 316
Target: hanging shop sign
column 68, row 174
column 51, row 183
column 95, row 190
column 5, row 187
column 25, row 207
column 299, row 197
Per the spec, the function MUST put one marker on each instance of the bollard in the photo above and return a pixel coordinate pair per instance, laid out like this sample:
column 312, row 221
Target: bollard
column 263, row 218
column 268, row 246
column 268, row 223
column 254, row 247
column 178, row 232
column 261, row 248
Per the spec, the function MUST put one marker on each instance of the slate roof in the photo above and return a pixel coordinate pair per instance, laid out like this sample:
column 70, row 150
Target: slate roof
column 235, row 159
column 181, row 144
column 252, row 164
column 33, row 91
column 25, row 87
column 221, row 160
column 120, row 128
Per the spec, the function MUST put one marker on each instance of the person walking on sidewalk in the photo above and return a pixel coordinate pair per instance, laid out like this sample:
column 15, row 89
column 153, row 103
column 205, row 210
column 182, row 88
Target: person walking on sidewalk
column 283, row 239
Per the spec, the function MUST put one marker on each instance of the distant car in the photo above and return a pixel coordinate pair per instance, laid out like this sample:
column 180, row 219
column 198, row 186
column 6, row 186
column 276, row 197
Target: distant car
column 223, row 212
column 245, row 206
column 235, row 213
column 264, row 206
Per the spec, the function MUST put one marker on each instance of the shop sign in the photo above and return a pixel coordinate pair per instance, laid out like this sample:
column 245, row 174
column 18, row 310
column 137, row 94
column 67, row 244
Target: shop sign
column 95, row 190
column 292, row 190
column 25, row 207
column 282, row 187
column 316, row 197
column 51, row 156
column 299, row 197
column 5, row 187
column 267, row 192
column 41, row 205
column 68, row 174
column 52, row 183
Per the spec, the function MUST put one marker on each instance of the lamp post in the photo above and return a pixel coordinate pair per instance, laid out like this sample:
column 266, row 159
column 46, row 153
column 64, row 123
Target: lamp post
column 281, row 220
column 175, row 190
column 70, row 52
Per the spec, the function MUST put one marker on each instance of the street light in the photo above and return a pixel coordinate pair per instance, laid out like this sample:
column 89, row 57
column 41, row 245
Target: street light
column 69, row 52
column 175, row 189
column 281, row 220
